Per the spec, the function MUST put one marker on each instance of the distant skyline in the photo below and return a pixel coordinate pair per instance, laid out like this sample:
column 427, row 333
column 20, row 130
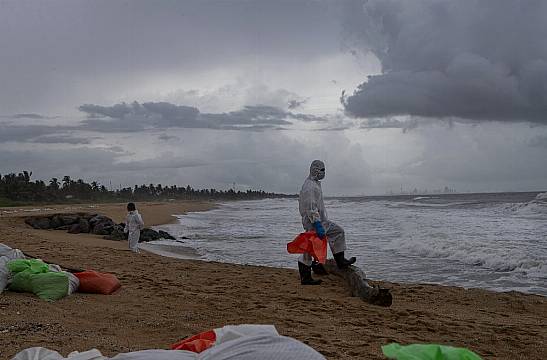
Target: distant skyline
column 429, row 93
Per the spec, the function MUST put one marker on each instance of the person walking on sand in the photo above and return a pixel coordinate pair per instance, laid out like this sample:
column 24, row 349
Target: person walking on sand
column 133, row 227
column 314, row 217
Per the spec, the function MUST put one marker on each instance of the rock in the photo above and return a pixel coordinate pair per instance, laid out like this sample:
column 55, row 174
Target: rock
column 149, row 235
column 103, row 228
column 116, row 234
column 69, row 219
column 64, row 227
column 75, row 229
column 56, row 221
column 84, row 225
column 88, row 216
column 38, row 222
column 357, row 282
column 98, row 219
column 166, row 235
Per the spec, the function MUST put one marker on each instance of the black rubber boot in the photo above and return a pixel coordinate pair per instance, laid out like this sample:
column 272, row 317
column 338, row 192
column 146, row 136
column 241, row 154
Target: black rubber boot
column 342, row 262
column 305, row 275
column 318, row 268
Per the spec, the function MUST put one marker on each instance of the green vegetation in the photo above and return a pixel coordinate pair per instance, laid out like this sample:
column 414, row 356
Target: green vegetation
column 19, row 189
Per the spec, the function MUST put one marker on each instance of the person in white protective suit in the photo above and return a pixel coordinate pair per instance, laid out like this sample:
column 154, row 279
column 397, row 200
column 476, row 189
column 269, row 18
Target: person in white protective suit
column 133, row 227
column 314, row 217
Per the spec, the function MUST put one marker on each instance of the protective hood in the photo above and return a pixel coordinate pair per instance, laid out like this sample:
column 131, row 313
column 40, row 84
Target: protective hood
column 317, row 170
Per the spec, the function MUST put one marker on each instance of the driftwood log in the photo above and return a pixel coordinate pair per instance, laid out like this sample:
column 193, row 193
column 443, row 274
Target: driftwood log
column 356, row 280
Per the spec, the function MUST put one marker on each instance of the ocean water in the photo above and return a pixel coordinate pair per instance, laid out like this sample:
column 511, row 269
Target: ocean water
column 490, row 241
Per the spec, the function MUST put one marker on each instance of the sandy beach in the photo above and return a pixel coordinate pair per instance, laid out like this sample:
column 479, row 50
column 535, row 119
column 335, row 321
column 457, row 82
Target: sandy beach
column 163, row 300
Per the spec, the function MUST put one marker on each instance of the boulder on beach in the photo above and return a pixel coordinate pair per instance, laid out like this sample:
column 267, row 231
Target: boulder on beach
column 116, row 234
column 39, row 222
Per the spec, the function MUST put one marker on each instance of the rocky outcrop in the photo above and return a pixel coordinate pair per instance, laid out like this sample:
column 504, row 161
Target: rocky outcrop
column 39, row 222
column 92, row 223
column 117, row 233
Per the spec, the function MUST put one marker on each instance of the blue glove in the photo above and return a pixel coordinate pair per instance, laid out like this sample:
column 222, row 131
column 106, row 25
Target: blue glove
column 319, row 229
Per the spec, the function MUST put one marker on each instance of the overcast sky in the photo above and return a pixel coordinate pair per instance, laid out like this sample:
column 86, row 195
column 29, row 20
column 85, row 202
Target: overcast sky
column 389, row 93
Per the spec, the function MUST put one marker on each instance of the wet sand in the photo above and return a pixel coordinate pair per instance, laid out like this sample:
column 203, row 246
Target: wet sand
column 164, row 299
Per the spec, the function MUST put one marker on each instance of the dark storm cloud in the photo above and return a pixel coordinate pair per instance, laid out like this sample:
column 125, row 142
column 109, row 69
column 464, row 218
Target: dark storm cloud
column 160, row 115
column 470, row 59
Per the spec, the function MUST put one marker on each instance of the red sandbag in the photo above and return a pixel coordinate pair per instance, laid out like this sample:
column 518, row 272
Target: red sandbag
column 309, row 242
column 97, row 283
column 196, row 343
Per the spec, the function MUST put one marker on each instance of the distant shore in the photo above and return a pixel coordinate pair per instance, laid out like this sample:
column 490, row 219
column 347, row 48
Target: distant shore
column 164, row 299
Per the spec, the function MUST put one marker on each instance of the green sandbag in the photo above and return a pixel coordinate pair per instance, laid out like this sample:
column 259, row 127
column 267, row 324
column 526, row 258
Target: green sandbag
column 427, row 352
column 34, row 276
column 22, row 271
column 35, row 266
column 50, row 286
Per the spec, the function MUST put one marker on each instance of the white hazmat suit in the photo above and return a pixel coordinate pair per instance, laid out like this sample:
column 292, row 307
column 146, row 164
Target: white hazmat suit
column 312, row 209
column 133, row 227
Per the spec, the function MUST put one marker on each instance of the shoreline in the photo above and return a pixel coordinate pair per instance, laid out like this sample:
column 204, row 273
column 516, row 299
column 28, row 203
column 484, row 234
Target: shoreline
column 164, row 299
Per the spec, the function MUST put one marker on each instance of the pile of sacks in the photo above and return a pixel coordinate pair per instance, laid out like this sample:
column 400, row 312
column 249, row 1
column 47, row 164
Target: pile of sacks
column 242, row 342
column 48, row 281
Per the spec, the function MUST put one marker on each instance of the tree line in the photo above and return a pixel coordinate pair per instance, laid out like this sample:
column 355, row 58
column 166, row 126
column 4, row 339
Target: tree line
column 20, row 188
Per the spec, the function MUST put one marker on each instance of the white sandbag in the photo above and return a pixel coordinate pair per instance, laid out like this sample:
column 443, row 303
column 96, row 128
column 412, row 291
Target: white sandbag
column 73, row 283
column 37, row 353
column 40, row 353
column 232, row 332
column 157, row 355
column 4, row 249
column 263, row 347
column 5, row 274
column 54, row 268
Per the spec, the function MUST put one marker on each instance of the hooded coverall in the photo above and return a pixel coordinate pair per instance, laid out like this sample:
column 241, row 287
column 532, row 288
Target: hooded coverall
column 312, row 208
column 133, row 226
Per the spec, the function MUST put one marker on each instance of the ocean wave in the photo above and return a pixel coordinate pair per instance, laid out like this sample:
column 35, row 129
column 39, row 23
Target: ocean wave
column 430, row 205
column 471, row 254
column 537, row 206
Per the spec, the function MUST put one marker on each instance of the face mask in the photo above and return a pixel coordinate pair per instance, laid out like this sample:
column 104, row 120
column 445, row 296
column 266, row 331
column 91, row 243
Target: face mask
column 321, row 174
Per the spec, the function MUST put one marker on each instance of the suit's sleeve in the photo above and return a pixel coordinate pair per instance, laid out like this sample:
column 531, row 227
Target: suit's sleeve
column 140, row 221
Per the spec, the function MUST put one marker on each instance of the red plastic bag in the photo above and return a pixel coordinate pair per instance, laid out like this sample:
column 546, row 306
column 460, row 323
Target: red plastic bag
column 97, row 283
column 196, row 343
column 309, row 242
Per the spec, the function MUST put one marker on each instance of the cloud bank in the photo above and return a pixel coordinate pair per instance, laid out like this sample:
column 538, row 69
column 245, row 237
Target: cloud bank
column 469, row 59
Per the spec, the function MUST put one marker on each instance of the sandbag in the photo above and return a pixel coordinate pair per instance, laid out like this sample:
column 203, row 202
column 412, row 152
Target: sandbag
column 427, row 352
column 22, row 271
column 4, row 249
column 97, row 283
column 35, row 266
column 5, row 273
column 50, row 286
column 73, row 282
column 40, row 353
column 34, row 276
